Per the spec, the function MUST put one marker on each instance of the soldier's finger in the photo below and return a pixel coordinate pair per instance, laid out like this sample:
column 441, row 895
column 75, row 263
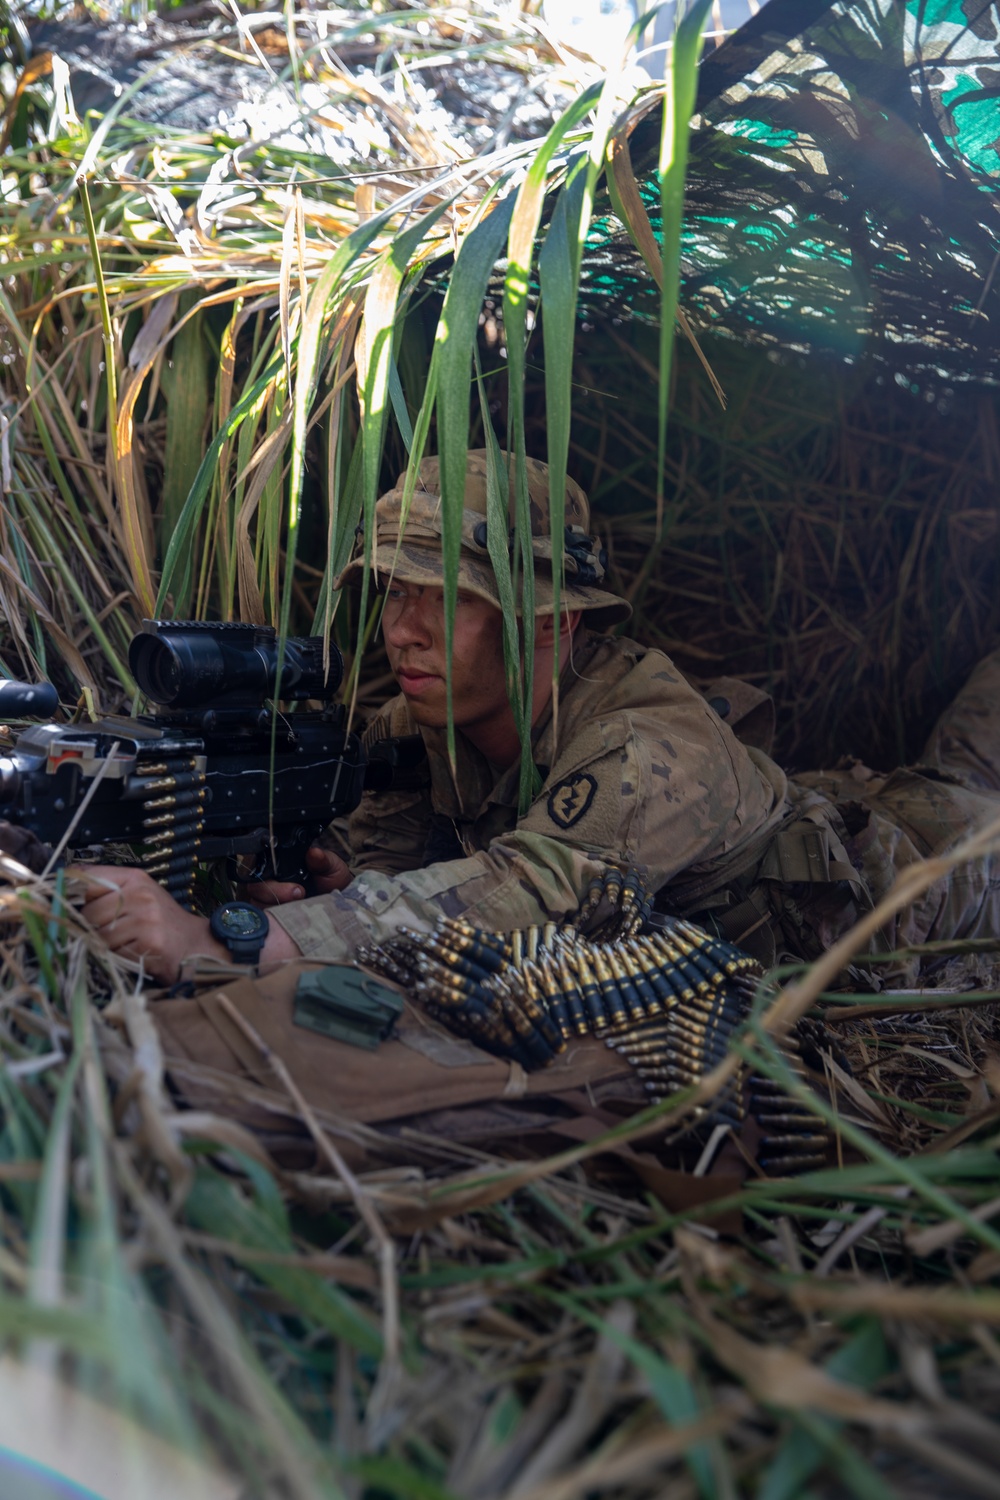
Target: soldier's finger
column 329, row 871
column 104, row 910
column 273, row 892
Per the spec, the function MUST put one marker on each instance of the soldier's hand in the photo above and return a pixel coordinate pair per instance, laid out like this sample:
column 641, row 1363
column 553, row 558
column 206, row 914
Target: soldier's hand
column 23, row 846
column 327, row 870
column 140, row 920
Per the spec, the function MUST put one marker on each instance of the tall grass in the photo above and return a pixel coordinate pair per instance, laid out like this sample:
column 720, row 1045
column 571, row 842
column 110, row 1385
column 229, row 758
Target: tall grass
column 215, row 353
column 208, row 361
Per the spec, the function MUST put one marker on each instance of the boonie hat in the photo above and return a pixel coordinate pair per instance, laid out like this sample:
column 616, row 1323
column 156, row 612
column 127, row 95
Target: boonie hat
column 416, row 558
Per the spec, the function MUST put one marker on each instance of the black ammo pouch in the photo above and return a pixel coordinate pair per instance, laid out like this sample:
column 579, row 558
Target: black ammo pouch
column 344, row 1003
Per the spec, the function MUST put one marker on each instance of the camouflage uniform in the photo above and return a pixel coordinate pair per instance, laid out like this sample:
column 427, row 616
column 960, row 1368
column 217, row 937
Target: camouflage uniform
column 644, row 772
column 923, row 810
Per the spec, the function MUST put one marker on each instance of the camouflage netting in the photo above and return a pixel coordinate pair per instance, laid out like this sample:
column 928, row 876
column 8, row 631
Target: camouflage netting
column 833, row 535
column 830, row 536
column 842, row 199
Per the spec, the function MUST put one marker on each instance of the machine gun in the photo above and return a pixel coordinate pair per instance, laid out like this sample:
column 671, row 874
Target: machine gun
column 214, row 774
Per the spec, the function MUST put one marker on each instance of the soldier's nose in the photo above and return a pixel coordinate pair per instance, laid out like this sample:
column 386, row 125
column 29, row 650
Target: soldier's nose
column 408, row 624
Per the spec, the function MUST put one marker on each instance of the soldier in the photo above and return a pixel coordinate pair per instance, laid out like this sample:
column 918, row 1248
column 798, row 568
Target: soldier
column 637, row 769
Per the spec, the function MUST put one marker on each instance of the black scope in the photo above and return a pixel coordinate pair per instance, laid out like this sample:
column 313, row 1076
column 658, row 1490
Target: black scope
column 183, row 664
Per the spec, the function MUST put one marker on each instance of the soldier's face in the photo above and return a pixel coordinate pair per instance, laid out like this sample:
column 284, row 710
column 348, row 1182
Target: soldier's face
column 413, row 628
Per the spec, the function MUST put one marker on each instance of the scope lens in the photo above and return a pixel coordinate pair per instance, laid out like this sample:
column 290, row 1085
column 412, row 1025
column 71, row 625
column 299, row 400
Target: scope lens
column 165, row 675
column 156, row 668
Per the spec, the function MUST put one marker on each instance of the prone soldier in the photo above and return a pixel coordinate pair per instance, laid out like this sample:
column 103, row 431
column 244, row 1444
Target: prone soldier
column 636, row 769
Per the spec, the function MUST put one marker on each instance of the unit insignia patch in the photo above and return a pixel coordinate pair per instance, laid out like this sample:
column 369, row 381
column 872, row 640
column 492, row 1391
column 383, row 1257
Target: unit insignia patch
column 571, row 798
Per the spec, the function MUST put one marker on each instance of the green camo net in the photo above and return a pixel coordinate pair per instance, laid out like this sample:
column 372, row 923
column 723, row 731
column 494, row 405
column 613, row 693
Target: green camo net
column 843, row 193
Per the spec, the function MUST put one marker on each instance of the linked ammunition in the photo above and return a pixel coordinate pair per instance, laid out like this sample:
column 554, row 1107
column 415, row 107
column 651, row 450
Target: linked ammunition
column 628, row 990
column 612, row 1003
column 536, row 1049
column 668, row 985
column 668, row 954
column 766, row 1121
column 650, row 1001
column 592, row 1011
column 669, row 1002
column 786, row 1166
column 483, row 947
column 431, row 970
column 461, row 962
column 546, row 1003
column 565, row 998
column 769, row 1142
column 721, row 953
column 697, row 956
column 552, row 1002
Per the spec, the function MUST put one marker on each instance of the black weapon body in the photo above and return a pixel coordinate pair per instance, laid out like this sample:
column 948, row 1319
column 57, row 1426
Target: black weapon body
column 178, row 797
column 215, row 774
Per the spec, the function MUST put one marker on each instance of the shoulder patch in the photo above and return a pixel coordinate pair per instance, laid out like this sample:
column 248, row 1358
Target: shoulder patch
column 568, row 801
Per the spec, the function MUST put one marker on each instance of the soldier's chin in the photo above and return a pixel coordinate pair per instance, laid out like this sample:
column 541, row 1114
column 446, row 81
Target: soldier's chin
column 432, row 715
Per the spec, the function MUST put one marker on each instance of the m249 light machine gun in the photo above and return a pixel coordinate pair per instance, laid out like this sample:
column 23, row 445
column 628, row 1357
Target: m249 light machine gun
column 215, row 773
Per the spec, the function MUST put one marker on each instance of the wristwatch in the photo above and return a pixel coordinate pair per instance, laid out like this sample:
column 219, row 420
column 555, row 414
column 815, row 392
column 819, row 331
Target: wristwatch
column 242, row 928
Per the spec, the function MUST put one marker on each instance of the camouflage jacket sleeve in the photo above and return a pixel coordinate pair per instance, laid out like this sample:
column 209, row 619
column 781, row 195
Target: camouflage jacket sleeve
column 524, row 876
column 645, row 774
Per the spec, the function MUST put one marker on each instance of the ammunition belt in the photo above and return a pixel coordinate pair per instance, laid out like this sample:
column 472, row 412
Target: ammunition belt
column 669, row 1001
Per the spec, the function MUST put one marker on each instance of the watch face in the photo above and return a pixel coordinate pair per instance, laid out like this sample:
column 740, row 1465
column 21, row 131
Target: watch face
column 240, row 921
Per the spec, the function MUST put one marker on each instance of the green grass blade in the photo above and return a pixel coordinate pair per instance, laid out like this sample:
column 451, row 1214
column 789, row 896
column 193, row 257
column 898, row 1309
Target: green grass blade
column 669, row 1386
column 377, row 368
column 498, row 545
column 863, row 1360
column 456, row 335
column 308, row 363
column 678, row 107
column 135, row 542
column 186, row 387
column 520, row 255
column 559, row 277
column 175, row 577
column 223, row 1209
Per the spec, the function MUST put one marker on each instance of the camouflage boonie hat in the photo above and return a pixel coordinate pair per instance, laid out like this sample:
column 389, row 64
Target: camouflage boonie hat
column 417, row 558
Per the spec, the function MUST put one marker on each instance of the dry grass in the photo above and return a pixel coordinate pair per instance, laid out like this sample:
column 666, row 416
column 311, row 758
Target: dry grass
column 831, row 538
column 561, row 1334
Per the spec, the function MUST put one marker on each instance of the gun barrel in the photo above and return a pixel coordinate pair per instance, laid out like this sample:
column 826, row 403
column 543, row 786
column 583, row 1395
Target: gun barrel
column 27, row 700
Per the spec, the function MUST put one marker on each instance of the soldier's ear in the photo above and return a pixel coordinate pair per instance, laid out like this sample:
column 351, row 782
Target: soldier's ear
column 569, row 619
column 545, row 626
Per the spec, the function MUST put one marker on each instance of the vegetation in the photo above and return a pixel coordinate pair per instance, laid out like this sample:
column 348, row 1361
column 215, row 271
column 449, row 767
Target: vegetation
column 216, row 348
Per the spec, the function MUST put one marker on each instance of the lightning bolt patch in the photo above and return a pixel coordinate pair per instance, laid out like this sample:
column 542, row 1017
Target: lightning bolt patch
column 569, row 801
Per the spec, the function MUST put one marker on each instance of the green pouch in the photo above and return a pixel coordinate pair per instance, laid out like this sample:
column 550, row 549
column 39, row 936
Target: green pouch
column 347, row 1004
